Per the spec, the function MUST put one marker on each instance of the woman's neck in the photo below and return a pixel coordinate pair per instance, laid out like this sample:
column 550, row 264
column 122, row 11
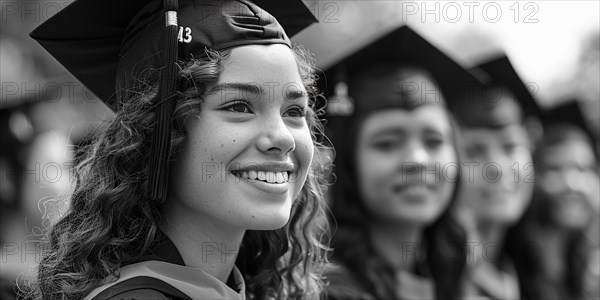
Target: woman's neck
column 491, row 233
column 203, row 242
column 551, row 244
column 400, row 245
column 490, row 240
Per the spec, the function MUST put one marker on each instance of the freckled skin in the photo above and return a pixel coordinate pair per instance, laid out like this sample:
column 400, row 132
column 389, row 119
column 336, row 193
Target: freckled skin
column 202, row 186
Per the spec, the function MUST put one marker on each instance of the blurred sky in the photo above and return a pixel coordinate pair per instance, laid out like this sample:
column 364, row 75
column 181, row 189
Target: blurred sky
column 543, row 39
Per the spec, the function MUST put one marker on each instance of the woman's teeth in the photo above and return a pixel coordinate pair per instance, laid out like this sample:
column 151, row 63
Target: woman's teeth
column 270, row 177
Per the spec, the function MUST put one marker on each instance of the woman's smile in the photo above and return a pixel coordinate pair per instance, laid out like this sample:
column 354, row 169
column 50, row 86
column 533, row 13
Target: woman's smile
column 268, row 177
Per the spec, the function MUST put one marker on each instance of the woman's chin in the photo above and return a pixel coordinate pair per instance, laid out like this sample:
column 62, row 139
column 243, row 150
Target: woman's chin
column 268, row 219
column 272, row 222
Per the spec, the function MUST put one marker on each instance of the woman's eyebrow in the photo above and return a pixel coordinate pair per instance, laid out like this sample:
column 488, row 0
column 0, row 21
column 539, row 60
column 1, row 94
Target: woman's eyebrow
column 254, row 89
column 436, row 130
column 392, row 131
column 294, row 94
column 250, row 88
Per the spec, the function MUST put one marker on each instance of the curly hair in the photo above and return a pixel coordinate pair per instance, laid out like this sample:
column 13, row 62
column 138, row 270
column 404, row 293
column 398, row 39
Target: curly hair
column 112, row 221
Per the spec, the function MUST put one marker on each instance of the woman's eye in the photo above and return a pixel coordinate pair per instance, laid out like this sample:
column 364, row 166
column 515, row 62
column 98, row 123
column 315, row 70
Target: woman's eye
column 385, row 145
column 433, row 142
column 239, row 107
column 296, row 112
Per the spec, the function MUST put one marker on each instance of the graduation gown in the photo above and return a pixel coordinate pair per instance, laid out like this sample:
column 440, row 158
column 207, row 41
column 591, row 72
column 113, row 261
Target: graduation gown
column 162, row 274
column 342, row 284
column 488, row 283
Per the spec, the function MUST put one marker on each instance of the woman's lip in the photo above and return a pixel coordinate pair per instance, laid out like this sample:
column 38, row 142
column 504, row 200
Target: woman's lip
column 266, row 187
column 419, row 188
column 406, row 185
column 265, row 167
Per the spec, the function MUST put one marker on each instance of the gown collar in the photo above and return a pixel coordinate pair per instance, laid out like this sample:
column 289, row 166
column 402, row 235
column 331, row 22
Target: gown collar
column 163, row 261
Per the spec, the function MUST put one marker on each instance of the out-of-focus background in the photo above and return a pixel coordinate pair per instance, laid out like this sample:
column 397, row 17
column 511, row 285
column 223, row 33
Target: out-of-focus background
column 45, row 114
column 554, row 45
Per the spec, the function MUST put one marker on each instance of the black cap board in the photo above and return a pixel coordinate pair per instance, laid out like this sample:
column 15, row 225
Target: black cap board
column 487, row 107
column 400, row 46
column 99, row 41
column 108, row 44
column 568, row 113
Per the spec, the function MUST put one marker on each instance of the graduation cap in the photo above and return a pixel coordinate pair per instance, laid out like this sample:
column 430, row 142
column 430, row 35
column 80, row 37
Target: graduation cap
column 100, row 42
column 108, row 44
column 487, row 106
column 566, row 120
column 403, row 47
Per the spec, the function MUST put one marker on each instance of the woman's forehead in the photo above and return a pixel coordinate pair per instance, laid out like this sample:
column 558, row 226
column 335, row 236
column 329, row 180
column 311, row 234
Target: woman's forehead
column 492, row 135
column 266, row 64
column 257, row 71
column 428, row 117
column 568, row 152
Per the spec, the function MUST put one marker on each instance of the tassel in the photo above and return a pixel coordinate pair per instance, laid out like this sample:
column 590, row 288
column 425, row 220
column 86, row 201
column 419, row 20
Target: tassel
column 165, row 105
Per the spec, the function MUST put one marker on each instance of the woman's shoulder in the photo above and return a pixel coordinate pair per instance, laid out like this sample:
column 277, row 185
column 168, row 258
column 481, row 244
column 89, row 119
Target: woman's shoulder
column 341, row 283
column 141, row 287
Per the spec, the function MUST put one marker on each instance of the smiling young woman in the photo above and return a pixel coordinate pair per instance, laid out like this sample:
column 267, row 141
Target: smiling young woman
column 497, row 133
column 397, row 173
column 237, row 208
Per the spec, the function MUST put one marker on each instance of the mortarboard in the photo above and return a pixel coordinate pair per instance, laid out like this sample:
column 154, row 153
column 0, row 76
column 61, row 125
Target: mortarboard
column 93, row 38
column 108, row 44
column 567, row 114
column 484, row 108
column 401, row 46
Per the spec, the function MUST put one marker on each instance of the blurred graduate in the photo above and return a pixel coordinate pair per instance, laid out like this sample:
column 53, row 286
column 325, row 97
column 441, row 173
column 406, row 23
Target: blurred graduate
column 499, row 123
column 397, row 171
column 562, row 211
column 202, row 185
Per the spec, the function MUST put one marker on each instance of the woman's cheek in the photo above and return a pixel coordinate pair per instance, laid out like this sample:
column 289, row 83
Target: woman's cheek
column 376, row 170
column 448, row 164
column 524, row 165
column 303, row 153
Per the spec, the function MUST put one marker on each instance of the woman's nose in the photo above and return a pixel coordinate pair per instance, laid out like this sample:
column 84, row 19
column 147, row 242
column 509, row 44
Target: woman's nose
column 416, row 153
column 415, row 158
column 276, row 137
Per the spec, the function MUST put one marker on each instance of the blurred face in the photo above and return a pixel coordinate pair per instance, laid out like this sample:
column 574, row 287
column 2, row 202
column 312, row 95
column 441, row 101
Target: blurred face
column 406, row 163
column 497, row 173
column 248, row 152
column 567, row 178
